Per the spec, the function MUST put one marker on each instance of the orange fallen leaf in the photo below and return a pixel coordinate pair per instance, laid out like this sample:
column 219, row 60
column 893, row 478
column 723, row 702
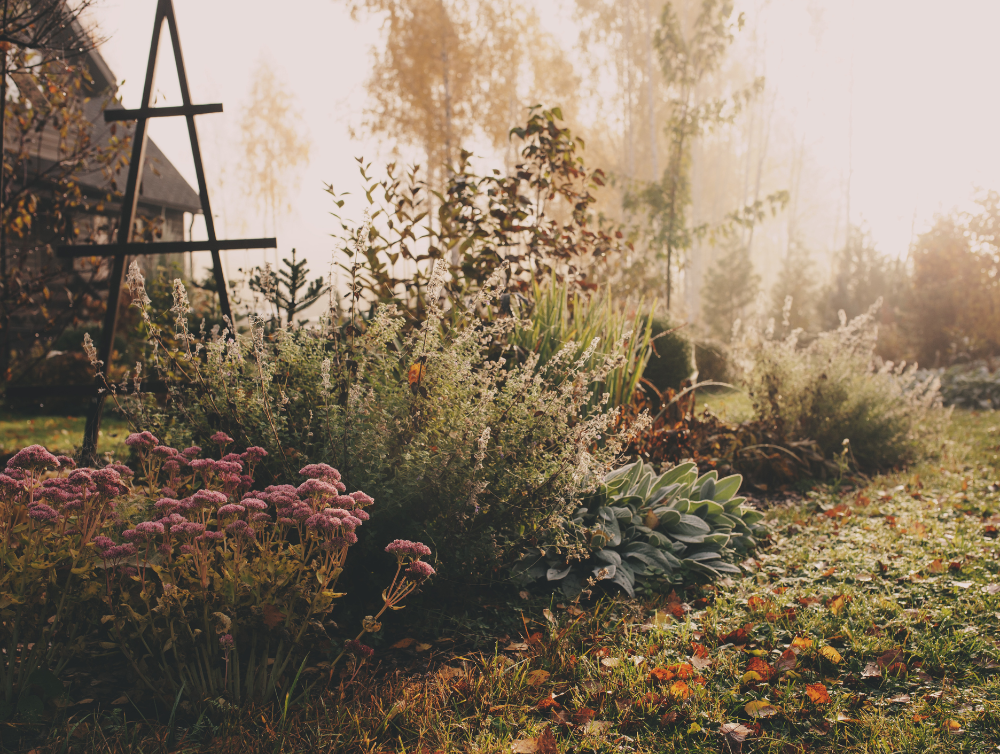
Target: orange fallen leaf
column 756, row 603
column 681, row 669
column 680, row 690
column 817, row 693
column 661, row 674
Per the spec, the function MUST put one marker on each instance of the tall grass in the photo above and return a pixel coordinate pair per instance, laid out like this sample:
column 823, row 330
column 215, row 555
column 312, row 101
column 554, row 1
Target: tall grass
column 561, row 316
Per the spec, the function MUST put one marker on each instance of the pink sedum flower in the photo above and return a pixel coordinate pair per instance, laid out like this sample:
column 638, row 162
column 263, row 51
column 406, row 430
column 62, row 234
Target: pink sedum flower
column 33, row 457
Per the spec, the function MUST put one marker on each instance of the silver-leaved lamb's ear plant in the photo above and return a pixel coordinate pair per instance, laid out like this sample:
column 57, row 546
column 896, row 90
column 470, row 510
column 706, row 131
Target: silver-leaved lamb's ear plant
column 641, row 531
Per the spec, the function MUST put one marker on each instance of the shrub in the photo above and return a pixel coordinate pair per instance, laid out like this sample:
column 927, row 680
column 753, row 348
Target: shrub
column 672, row 360
column 460, row 445
column 712, row 361
column 835, row 392
column 214, row 588
column 640, row 529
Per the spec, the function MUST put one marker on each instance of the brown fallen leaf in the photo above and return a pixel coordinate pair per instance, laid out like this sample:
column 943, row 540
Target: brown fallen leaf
column 403, row 643
column 537, row 677
column 759, row 665
column 787, row 661
column 517, row 646
column 549, row 616
column 953, row 727
column 574, row 611
column 900, row 699
column 583, row 716
column 700, row 663
column 937, row 566
column 423, row 647
column 546, row 742
column 524, row 746
column 889, row 658
column 661, row 674
column 817, row 693
column 596, row 728
column 610, row 662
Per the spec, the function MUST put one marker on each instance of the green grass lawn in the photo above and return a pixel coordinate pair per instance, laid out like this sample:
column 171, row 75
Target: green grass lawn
column 869, row 624
column 728, row 405
column 60, row 434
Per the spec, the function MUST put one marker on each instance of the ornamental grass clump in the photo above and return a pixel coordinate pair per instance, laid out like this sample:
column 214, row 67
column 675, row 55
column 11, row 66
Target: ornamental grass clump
column 837, row 393
column 206, row 586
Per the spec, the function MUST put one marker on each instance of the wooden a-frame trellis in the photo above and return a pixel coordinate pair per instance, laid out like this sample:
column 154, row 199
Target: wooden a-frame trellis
column 125, row 247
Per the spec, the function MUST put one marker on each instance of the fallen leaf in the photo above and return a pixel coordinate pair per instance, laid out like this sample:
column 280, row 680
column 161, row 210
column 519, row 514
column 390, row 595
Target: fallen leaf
column 583, row 716
column 799, row 643
column 668, row 718
column 871, row 671
column 751, row 677
column 700, row 663
column 735, row 731
column 524, row 746
column 787, row 661
column 574, row 611
column 817, row 693
column 842, row 718
column 546, row 742
column 681, row 669
column 738, row 637
column 610, row 662
column 537, row 677
column 828, row 572
column 900, row 699
column 831, row 654
column 758, row 665
column 523, row 594
column 403, row 643
column 953, row 727
column 680, row 690
column 517, row 646
column 651, row 520
column 992, row 588
column 423, row 647
column 836, row 605
column 121, row 700
column 937, row 566
column 760, row 709
column 637, row 660
column 549, row 616
column 756, row 604
column 596, row 728
column 962, row 584
column 661, row 674
column 888, row 658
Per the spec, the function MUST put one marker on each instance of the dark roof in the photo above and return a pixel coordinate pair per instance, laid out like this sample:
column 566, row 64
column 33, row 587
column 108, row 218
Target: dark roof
column 162, row 185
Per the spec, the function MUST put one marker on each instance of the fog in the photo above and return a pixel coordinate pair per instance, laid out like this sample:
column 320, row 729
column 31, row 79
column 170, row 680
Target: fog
column 875, row 114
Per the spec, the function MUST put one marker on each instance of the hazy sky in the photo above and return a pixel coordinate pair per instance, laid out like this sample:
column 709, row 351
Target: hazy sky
column 923, row 130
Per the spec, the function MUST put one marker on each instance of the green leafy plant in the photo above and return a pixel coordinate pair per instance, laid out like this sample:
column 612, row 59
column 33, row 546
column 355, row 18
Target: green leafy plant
column 640, row 529
column 467, row 447
column 288, row 290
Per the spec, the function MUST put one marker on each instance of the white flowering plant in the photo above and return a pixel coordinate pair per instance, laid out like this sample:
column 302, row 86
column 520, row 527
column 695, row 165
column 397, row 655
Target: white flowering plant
column 464, row 447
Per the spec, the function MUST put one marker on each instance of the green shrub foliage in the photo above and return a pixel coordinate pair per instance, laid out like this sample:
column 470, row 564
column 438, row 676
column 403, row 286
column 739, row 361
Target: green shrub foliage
column 464, row 448
column 639, row 529
column 672, row 360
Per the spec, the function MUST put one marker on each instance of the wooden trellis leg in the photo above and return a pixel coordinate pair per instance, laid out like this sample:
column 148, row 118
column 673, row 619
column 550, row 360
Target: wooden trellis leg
column 124, row 246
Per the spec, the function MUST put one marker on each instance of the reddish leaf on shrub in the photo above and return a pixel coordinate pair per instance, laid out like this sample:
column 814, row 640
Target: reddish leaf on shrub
column 272, row 615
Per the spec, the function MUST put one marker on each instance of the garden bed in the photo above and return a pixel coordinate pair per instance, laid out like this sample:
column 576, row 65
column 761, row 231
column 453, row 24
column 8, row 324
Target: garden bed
column 868, row 624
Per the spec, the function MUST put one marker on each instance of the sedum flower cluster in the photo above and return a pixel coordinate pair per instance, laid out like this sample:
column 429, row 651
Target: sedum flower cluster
column 201, row 581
